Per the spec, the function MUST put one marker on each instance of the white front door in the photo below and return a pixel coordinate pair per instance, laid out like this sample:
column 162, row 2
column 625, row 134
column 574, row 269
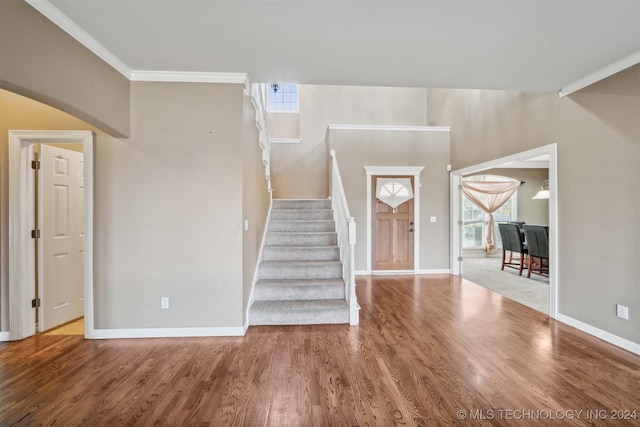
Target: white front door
column 61, row 244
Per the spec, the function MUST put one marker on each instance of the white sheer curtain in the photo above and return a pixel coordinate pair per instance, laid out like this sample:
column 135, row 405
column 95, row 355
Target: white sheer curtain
column 489, row 196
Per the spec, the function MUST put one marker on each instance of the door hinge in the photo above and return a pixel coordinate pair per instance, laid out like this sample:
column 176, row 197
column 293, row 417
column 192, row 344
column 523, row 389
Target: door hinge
column 459, row 222
column 35, row 234
column 35, row 164
column 35, row 302
column 459, row 258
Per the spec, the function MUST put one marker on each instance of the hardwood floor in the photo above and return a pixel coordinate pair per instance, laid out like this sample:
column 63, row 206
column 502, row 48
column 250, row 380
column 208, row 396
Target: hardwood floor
column 72, row 328
column 429, row 350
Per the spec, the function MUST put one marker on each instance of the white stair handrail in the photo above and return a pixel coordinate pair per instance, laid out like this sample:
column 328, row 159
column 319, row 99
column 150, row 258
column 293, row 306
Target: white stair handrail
column 346, row 229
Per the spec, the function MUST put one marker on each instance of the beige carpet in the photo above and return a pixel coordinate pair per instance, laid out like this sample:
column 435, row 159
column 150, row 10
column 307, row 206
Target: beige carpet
column 485, row 271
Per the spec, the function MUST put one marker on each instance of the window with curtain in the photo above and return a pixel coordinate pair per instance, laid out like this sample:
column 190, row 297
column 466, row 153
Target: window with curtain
column 475, row 220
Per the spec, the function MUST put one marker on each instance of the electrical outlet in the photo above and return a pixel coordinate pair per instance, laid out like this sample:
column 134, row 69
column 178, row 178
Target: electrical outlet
column 164, row 302
column 622, row 311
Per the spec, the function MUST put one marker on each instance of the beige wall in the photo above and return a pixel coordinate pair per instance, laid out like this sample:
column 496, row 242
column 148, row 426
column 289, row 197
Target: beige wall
column 68, row 146
column 283, row 125
column 356, row 149
column 41, row 61
column 598, row 135
column 169, row 211
column 489, row 124
column 299, row 170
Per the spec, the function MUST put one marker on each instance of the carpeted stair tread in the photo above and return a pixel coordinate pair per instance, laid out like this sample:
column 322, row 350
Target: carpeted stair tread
column 305, row 262
column 301, row 204
column 302, row 214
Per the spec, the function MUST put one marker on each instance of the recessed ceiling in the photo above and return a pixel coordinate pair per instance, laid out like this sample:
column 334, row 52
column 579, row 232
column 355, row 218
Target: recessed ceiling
column 477, row 44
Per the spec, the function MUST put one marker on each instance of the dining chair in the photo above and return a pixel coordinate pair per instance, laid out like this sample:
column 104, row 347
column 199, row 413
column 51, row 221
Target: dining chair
column 513, row 242
column 538, row 243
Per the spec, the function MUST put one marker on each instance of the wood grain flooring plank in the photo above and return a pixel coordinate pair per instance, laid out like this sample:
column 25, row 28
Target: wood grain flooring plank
column 427, row 349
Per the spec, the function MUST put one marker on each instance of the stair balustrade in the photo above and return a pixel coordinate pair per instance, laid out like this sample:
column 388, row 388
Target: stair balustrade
column 346, row 231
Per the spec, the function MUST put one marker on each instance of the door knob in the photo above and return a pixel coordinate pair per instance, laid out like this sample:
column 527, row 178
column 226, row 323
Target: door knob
column 410, row 230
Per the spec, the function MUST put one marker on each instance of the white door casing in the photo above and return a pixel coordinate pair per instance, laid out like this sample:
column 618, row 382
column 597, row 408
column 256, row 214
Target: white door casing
column 413, row 171
column 456, row 237
column 392, row 227
column 61, row 243
column 21, row 221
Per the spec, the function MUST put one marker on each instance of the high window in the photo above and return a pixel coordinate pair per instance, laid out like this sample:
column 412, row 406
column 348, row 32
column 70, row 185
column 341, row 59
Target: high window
column 282, row 97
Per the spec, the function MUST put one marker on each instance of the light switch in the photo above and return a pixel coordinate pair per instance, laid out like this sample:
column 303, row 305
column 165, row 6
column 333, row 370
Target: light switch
column 433, row 219
column 246, row 225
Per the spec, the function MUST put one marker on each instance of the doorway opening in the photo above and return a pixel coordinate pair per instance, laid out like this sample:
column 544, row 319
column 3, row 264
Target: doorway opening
column 59, row 188
column 22, row 214
column 543, row 157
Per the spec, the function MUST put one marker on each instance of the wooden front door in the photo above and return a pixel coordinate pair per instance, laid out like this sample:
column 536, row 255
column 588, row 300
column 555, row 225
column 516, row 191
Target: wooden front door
column 392, row 233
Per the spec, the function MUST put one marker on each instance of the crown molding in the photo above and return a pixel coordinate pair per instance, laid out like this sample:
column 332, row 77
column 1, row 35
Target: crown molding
column 393, row 170
column 390, row 127
column 601, row 74
column 71, row 28
column 285, row 140
column 188, row 77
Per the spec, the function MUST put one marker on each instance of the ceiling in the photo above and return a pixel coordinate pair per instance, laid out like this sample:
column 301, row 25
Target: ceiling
column 474, row 44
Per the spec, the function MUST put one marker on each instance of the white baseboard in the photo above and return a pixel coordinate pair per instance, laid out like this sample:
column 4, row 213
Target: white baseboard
column 599, row 333
column 434, row 271
column 401, row 272
column 5, row 336
column 168, row 332
column 391, row 272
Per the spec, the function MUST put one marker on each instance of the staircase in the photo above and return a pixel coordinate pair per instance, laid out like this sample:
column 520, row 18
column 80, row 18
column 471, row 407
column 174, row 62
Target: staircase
column 300, row 276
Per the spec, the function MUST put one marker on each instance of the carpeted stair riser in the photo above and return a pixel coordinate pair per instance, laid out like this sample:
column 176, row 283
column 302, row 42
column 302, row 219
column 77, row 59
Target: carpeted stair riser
column 300, row 270
column 301, row 239
column 301, row 204
column 302, row 226
column 295, row 289
column 300, row 253
column 300, row 312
